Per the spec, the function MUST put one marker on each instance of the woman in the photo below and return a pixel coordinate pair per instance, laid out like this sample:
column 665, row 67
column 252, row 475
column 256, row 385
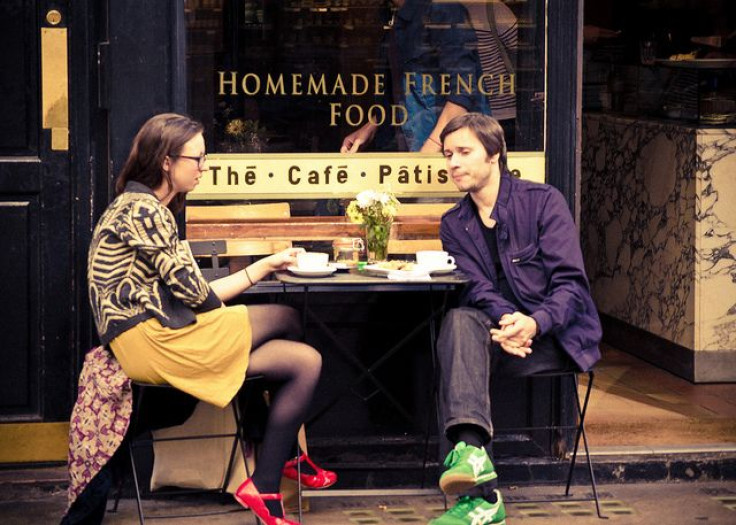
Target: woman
column 166, row 324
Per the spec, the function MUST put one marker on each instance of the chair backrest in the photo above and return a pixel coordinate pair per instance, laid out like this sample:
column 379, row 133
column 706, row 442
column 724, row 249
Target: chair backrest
column 214, row 250
column 243, row 213
column 412, row 246
column 424, row 209
column 427, row 214
column 263, row 229
column 226, row 213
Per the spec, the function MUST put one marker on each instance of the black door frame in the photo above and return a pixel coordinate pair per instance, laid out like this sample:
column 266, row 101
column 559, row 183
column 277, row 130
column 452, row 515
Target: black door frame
column 564, row 139
column 89, row 163
column 564, row 103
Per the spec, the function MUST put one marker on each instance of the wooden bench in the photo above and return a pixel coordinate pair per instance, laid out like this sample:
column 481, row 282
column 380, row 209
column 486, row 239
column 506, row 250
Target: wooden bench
column 261, row 229
column 403, row 242
column 238, row 250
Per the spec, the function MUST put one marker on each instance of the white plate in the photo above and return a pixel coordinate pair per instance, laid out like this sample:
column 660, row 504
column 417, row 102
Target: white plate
column 443, row 269
column 376, row 270
column 409, row 275
column 319, row 272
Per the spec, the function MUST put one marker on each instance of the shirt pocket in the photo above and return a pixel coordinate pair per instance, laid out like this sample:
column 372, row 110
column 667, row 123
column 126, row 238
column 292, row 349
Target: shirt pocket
column 525, row 254
column 528, row 273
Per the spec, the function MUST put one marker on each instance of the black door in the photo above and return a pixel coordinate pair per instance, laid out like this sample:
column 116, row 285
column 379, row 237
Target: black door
column 35, row 212
column 54, row 173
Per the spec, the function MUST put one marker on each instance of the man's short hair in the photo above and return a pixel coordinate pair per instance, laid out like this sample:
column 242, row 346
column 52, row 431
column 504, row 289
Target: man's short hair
column 487, row 129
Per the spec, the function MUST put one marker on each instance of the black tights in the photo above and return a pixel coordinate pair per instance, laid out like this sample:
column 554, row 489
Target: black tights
column 294, row 368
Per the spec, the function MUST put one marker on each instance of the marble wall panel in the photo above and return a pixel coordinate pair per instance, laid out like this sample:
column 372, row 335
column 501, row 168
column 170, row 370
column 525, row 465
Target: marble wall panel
column 715, row 253
column 638, row 205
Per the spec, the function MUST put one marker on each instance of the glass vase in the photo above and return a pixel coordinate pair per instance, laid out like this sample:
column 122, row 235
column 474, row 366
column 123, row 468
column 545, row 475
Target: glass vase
column 376, row 239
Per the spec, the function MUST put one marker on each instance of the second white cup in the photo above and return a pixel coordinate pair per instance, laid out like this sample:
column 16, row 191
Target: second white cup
column 434, row 259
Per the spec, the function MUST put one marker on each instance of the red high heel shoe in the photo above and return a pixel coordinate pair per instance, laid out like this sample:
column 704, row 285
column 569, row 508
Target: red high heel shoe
column 320, row 480
column 249, row 497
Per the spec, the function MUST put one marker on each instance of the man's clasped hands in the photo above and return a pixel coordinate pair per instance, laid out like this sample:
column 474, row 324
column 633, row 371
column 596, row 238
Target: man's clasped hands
column 515, row 333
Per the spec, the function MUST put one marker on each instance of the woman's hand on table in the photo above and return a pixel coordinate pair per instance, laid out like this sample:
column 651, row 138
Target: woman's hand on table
column 283, row 259
column 236, row 283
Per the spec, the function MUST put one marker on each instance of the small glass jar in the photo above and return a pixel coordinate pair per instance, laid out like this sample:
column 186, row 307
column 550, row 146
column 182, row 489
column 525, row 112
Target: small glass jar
column 348, row 249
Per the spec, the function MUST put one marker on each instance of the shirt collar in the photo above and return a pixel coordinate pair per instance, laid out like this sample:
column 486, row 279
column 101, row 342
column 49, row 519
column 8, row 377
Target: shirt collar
column 504, row 192
column 137, row 187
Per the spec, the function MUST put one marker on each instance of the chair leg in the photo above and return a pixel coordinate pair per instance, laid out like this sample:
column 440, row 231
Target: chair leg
column 239, row 435
column 230, row 465
column 299, row 478
column 582, row 410
column 240, row 438
column 135, row 483
column 593, row 484
column 578, row 432
column 118, row 492
column 132, row 430
column 233, row 452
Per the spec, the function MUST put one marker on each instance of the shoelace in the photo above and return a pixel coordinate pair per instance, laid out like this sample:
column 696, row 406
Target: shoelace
column 463, row 506
column 454, row 455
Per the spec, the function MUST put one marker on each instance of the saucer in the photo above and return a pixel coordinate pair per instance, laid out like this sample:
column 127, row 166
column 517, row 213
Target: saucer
column 312, row 272
column 439, row 270
column 343, row 265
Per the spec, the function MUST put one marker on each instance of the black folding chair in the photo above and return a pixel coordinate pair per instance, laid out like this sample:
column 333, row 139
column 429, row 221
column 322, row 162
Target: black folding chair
column 139, row 439
column 579, row 427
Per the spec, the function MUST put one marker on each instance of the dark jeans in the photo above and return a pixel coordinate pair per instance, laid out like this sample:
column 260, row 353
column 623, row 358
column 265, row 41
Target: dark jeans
column 468, row 359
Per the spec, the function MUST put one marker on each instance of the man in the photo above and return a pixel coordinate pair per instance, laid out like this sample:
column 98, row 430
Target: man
column 526, row 309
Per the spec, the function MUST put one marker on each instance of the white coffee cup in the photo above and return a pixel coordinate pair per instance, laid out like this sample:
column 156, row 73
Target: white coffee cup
column 311, row 260
column 434, row 259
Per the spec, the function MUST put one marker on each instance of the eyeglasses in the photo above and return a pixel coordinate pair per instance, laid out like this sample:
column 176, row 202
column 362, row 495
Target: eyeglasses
column 200, row 160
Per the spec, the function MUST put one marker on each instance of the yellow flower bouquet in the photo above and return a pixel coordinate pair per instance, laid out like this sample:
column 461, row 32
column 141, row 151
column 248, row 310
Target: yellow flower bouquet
column 375, row 210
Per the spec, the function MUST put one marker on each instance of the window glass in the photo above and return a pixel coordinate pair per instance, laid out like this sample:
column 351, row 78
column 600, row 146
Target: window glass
column 315, row 76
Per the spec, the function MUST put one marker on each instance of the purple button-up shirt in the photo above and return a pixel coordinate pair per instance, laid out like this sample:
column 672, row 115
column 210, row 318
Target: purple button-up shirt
column 541, row 257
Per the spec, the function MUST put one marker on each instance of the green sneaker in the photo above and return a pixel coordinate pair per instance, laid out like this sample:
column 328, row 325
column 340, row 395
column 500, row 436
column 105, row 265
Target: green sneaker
column 467, row 466
column 474, row 511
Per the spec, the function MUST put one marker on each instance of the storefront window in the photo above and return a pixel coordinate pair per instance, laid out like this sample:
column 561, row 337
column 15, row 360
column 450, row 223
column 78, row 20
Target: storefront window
column 376, row 76
column 303, row 75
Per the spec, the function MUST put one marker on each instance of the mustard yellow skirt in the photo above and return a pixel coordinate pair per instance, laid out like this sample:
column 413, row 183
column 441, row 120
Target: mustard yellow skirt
column 206, row 359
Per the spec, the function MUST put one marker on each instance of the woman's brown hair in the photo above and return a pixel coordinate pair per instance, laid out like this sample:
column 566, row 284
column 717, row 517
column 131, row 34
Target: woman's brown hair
column 161, row 135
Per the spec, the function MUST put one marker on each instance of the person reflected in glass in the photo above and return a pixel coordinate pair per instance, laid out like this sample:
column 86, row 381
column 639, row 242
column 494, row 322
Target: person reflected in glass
column 497, row 31
column 526, row 309
column 166, row 324
column 428, row 39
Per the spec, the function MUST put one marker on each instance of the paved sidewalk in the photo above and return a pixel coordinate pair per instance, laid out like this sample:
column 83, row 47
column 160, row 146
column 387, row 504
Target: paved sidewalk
column 642, row 503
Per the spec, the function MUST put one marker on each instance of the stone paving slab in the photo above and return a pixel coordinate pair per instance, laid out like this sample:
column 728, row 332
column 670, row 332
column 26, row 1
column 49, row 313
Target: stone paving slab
column 643, row 503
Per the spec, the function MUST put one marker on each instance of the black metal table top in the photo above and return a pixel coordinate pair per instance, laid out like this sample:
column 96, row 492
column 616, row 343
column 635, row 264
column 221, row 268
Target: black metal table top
column 355, row 280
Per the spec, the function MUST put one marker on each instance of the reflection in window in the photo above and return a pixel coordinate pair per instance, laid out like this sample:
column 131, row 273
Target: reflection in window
column 374, row 75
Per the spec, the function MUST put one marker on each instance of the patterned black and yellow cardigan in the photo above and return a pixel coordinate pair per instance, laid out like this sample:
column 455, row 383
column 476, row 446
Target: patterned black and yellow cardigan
column 139, row 269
